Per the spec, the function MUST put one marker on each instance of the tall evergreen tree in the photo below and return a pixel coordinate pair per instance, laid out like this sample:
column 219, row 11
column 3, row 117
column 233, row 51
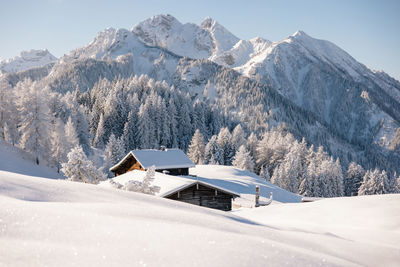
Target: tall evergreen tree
column 114, row 151
column 238, row 137
column 196, row 150
column 99, row 138
column 354, row 178
column 213, row 153
column 225, row 143
column 243, row 160
column 34, row 127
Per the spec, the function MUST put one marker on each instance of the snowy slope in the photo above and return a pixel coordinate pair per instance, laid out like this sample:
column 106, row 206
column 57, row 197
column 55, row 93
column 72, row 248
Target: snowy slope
column 13, row 159
column 52, row 222
column 371, row 223
column 227, row 177
column 27, row 60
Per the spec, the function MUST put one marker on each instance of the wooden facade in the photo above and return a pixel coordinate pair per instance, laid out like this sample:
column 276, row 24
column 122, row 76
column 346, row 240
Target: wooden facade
column 204, row 195
column 128, row 165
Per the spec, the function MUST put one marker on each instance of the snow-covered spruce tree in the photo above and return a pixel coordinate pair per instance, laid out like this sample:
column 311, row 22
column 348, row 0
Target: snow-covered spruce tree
column 129, row 133
column 213, row 153
column 144, row 186
column 144, row 127
column 224, row 142
column 34, row 114
column 272, row 148
column 99, row 137
column 58, row 144
column 243, row 160
column 196, row 148
column 80, row 169
column 286, row 174
column 374, row 183
column 8, row 113
column 265, row 174
column 238, row 137
column 312, row 183
column 338, row 178
column 393, row 186
column 354, row 178
column 114, row 151
column 173, row 124
column 251, row 145
column 71, row 135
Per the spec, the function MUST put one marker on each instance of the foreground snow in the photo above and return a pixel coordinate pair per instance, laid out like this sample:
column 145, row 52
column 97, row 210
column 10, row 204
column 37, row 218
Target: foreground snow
column 53, row 222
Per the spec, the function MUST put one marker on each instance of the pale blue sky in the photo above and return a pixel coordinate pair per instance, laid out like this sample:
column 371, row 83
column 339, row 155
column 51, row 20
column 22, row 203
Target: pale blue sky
column 368, row 30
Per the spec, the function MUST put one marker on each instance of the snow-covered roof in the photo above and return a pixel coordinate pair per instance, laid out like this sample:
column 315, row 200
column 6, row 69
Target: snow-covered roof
column 171, row 158
column 183, row 187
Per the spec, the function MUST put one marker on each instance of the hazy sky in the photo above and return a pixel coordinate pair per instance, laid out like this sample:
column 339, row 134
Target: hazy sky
column 368, row 30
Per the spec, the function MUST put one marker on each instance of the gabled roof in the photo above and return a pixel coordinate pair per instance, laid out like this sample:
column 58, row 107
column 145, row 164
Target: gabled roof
column 183, row 187
column 171, row 158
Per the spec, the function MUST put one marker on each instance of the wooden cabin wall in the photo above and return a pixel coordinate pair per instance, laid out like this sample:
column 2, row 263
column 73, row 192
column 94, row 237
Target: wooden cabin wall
column 129, row 165
column 204, row 196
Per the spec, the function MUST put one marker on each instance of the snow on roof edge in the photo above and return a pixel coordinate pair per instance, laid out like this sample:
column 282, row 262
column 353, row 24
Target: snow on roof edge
column 186, row 165
column 180, row 188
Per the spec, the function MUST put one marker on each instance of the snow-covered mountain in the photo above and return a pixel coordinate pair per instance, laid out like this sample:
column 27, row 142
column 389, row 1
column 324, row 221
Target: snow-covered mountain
column 27, row 60
column 208, row 40
column 317, row 89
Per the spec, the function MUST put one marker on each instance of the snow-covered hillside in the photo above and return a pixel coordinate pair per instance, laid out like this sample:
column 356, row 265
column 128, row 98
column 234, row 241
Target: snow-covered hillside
column 13, row 159
column 27, row 60
column 371, row 224
column 239, row 181
column 53, row 222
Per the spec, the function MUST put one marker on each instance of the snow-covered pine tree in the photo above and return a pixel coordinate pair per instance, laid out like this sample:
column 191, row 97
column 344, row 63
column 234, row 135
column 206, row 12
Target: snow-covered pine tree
column 286, row 174
column 374, row 183
column 99, row 137
column 243, row 160
column 265, row 174
column 144, row 127
column 71, row 135
column 196, row 150
column 8, row 113
column 238, row 137
column 393, row 186
column 225, row 143
column 58, row 144
column 354, row 178
column 213, row 153
column 172, row 119
column 338, row 179
column 80, row 169
column 251, row 145
column 34, row 112
column 114, row 151
column 184, row 126
column 129, row 132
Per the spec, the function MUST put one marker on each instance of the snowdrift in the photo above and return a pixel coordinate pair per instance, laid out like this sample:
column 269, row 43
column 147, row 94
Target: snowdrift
column 53, row 222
